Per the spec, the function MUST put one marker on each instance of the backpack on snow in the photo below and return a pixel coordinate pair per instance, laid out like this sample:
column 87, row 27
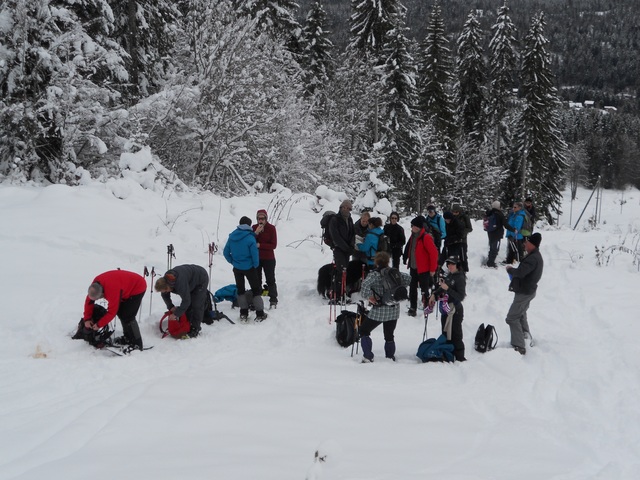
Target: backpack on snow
column 324, row 224
column 486, row 338
column 527, row 224
column 436, row 350
column 490, row 222
column 175, row 328
column 393, row 290
column 346, row 328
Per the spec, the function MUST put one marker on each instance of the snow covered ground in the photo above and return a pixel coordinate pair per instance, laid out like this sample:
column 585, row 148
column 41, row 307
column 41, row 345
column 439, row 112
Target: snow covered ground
column 256, row 401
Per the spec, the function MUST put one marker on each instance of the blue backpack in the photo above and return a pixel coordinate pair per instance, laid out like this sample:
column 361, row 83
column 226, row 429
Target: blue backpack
column 230, row 293
column 436, row 350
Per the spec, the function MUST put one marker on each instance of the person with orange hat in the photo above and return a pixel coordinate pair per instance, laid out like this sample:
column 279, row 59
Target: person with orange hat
column 267, row 239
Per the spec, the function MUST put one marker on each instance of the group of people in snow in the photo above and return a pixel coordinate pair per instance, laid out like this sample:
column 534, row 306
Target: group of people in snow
column 435, row 241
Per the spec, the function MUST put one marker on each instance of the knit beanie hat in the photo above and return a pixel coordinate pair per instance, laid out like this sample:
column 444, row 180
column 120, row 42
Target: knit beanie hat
column 245, row 221
column 418, row 222
column 447, row 215
column 535, row 239
column 262, row 212
column 496, row 205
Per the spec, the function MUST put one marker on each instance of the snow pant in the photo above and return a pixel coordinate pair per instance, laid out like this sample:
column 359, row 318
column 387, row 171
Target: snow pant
column 515, row 250
column 464, row 259
column 453, row 331
column 127, row 314
column 494, row 249
column 396, row 253
column 517, row 318
column 256, row 290
column 269, row 267
column 341, row 259
column 422, row 279
column 365, row 330
column 195, row 312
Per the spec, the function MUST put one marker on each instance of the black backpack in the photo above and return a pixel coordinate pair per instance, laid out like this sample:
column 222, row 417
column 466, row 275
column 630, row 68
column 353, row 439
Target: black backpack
column 393, row 289
column 486, row 338
column 346, row 330
column 324, row 224
column 490, row 222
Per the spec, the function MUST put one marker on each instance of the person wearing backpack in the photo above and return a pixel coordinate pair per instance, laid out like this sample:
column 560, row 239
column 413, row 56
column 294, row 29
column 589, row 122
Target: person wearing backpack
column 524, row 283
column 369, row 246
column 421, row 257
column 496, row 225
column 344, row 239
column 190, row 283
column 516, row 221
column 437, row 226
column 394, row 231
column 267, row 241
column 241, row 251
column 123, row 291
column 531, row 210
column 457, row 211
column 380, row 313
column 454, row 286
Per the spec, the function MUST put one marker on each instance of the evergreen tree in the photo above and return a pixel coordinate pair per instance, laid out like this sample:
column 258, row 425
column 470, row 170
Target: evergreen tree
column 57, row 72
column 146, row 29
column 276, row 18
column 470, row 86
column 434, row 76
column 540, row 147
column 370, row 22
column 316, row 59
column 503, row 66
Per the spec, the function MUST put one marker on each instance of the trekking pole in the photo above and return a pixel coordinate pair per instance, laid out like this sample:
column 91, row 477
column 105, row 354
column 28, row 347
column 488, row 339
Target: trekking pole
column 171, row 253
column 343, row 287
column 213, row 248
column 332, row 296
column 356, row 327
column 145, row 274
column 153, row 275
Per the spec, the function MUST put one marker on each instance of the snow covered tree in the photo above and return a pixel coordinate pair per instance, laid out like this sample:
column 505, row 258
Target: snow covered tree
column 316, row 61
column 470, row 86
column 276, row 18
column 540, row 147
column 370, row 22
column 434, row 83
column 146, row 29
column 58, row 70
column 503, row 61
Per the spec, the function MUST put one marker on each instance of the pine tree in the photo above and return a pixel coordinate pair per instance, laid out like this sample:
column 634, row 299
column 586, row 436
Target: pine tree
column 316, row 59
column 503, row 66
column 276, row 18
column 370, row 22
column 470, row 86
column 540, row 146
column 434, row 77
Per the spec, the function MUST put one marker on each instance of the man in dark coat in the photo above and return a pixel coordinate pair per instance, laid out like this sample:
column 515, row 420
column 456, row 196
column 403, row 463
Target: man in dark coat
column 495, row 232
column 524, row 283
column 453, row 240
column 344, row 241
column 457, row 211
column 190, row 283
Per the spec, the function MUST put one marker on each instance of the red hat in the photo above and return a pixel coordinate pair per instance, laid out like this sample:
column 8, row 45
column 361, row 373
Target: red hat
column 262, row 212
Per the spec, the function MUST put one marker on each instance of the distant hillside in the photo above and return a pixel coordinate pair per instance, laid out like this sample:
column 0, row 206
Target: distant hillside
column 595, row 43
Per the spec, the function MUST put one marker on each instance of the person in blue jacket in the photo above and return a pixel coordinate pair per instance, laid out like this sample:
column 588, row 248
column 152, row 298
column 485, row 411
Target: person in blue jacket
column 516, row 221
column 241, row 251
column 437, row 227
column 371, row 239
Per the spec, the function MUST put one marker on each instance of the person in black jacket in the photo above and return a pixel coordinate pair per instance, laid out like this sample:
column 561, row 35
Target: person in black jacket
column 454, row 285
column 344, row 241
column 456, row 209
column 495, row 232
column 524, row 283
column 453, row 240
column 397, row 238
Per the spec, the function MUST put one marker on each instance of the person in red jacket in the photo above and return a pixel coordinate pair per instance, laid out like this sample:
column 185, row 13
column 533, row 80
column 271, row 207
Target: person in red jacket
column 267, row 239
column 123, row 291
column 421, row 257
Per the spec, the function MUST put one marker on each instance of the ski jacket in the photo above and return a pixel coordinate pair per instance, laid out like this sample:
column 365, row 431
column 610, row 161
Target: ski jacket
column 455, row 232
column 370, row 244
column 396, row 235
column 425, row 251
column 457, row 283
column 501, row 224
column 268, row 240
column 342, row 233
column 241, row 249
column 467, row 226
column 117, row 285
column 516, row 221
column 188, row 278
column 525, row 278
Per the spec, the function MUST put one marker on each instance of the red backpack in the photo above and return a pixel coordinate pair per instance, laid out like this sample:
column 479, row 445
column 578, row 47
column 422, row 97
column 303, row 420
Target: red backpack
column 175, row 328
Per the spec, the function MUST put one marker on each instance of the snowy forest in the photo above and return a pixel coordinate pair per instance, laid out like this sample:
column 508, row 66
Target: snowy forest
column 418, row 103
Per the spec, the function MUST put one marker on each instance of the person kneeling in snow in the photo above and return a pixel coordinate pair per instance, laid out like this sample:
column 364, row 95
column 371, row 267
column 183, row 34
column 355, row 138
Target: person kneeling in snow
column 123, row 291
column 380, row 313
column 190, row 283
